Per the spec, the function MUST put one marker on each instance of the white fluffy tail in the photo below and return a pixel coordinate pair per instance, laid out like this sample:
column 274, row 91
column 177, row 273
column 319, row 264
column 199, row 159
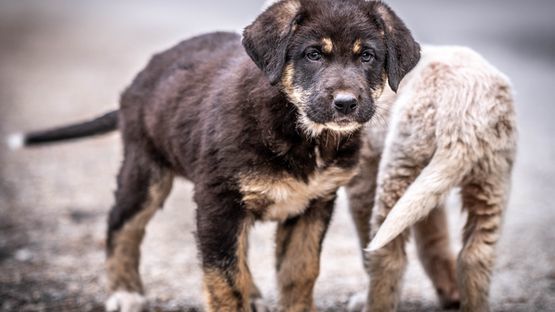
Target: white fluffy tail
column 15, row 141
column 443, row 172
column 465, row 90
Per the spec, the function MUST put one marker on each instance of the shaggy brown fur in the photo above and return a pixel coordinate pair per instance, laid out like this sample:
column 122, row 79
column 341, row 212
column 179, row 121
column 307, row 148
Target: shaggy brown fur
column 452, row 124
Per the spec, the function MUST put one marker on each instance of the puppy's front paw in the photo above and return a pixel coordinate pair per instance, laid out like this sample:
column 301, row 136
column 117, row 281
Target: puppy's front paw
column 357, row 302
column 123, row 301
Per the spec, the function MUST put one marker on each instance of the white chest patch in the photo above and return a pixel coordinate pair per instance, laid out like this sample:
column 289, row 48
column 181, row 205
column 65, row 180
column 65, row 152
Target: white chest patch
column 280, row 197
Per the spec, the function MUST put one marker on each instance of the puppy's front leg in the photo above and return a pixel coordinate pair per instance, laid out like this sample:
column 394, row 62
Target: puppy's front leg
column 298, row 246
column 223, row 225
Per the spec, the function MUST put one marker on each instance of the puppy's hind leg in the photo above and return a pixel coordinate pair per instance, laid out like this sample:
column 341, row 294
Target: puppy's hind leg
column 399, row 168
column 485, row 199
column 432, row 241
column 143, row 185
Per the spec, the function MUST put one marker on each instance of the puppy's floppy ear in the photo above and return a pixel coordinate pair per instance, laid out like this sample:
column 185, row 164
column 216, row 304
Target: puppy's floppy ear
column 403, row 52
column 266, row 39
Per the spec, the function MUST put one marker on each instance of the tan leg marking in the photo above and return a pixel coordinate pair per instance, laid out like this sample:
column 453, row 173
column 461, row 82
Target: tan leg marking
column 298, row 246
column 123, row 262
column 231, row 290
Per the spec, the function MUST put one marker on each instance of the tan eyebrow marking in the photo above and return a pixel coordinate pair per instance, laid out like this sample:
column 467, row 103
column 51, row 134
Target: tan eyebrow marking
column 327, row 45
column 357, row 47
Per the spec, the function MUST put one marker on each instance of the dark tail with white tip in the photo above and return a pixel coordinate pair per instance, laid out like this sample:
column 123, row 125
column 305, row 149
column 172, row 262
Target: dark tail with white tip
column 97, row 126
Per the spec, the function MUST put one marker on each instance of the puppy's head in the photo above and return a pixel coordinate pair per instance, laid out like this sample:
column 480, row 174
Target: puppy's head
column 331, row 58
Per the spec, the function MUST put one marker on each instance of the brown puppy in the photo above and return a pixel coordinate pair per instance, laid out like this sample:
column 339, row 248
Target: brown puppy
column 266, row 132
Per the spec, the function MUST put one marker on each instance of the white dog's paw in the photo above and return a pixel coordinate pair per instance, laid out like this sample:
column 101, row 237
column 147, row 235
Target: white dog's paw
column 261, row 305
column 123, row 301
column 357, row 302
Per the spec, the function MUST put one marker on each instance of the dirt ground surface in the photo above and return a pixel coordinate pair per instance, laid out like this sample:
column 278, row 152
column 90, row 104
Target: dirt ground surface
column 63, row 61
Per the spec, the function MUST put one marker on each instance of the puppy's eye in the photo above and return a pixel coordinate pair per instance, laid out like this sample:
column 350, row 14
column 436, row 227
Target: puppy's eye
column 313, row 55
column 366, row 56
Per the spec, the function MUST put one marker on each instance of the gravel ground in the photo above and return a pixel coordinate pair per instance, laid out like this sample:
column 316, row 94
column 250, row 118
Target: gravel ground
column 62, row 61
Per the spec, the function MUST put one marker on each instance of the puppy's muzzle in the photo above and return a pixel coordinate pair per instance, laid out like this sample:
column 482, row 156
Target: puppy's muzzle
column 345, row 103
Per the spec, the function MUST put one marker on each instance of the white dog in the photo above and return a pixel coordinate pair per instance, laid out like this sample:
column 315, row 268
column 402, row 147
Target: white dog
column 451, row 124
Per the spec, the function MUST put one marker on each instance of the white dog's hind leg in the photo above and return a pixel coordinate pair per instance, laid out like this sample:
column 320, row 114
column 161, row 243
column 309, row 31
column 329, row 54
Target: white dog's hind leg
column 432, row 241
column 122, row 301
column 486, row 200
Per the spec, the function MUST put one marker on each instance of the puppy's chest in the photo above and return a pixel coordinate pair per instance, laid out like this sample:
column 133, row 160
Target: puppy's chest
column 280, row 196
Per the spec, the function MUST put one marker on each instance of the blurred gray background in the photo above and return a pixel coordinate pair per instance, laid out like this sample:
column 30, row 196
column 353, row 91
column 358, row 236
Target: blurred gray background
column 63, row 61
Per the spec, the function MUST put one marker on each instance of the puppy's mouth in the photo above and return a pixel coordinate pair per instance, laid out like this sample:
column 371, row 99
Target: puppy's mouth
column 344, row 121
column 343, row 125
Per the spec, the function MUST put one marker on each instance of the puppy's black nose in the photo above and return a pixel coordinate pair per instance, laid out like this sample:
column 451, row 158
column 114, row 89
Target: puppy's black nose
column 345, row 103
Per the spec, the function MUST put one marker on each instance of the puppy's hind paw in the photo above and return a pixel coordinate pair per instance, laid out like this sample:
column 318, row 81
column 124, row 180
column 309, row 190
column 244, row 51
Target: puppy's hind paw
column 123, row 301
column 357, row 302
column 261, row 305
column 451, row 302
